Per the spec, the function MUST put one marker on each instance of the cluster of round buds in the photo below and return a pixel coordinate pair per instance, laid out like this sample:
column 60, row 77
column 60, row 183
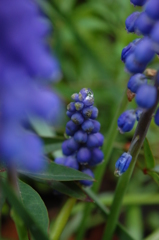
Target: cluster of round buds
column 82, row 149
column 138, row 54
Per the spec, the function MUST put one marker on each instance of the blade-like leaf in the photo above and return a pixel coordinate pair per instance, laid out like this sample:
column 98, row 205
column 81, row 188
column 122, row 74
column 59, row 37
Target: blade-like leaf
column 120, row 228
column 34, row 205
column 154, row 175
column 58, row 173
column 52, row 140
column 36, row 230
column 51, row 6
column 156, row 169
column 41, row 128
column 52, row 143
column 71, row 189
column 49, row 148
column 149, row 159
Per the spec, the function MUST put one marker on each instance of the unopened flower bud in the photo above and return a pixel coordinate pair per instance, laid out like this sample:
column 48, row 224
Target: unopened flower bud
column 66, row 151
column 130, row 21
column 136, row 81
column 96, row 158
column 79, row 106
column 87, row 126
column 87, row 183
column 75, row 97
column 96, row 126
column 146, row 96
column 152, row 9
column 126, row 121
column 83, row 155
column 138, row 2
column 80, row 136
column 71, row 162
column 72, row 127
column 72, row 144
column 122, row 164
column 77, row 118
column 71, row 107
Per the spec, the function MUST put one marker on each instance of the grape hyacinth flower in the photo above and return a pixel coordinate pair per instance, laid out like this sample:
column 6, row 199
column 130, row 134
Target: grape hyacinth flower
column 143, row 84
column 85, row 140
column 25, row 61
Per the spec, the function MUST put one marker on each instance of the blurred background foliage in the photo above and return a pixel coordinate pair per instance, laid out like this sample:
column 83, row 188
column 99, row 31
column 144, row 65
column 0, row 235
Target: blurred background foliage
column 88, row 37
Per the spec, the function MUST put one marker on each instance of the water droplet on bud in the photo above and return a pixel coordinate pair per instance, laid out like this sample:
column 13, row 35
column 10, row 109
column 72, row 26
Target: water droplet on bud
column 117, row 173
column 89, row 100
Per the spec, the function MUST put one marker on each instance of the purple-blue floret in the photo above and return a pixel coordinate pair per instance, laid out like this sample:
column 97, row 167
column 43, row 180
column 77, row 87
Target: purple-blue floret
column 84, row 140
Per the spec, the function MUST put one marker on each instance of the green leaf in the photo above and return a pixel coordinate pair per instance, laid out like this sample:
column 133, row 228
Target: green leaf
column 36, row 230
column 156, row 169
column 52, row 140
column 41, row 128
column 120, row 228
column 34, row 205
column 149, row 159
column 154, row 175
column 58, row 173
column 49, row 8
column 71, row 189
column 154, row 235
column 2, row 200
column 52, row 143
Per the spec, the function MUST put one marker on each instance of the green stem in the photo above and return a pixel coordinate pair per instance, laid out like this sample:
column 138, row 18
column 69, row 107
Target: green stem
column 99, row 173
column 12, row 179
column 108, row 144
column 153, row 236
column 21, row 229
column 135, row 147
column 62, row 218
column 105, row 211
column 130, row 199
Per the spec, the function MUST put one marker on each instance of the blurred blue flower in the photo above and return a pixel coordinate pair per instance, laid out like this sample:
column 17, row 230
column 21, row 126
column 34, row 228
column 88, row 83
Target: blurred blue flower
column 25, row 61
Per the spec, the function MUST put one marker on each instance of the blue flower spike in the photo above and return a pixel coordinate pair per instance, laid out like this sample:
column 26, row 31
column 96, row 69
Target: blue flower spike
column 26, row 68
column 143, row 84
column 82, row 149
column 122, row 164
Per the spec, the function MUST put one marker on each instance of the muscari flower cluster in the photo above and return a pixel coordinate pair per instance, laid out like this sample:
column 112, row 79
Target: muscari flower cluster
column 82, row 149
column 25, row 61
column 136, row 56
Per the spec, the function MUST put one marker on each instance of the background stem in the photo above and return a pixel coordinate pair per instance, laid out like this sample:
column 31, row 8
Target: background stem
column 62, row 218
column 140, row 133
